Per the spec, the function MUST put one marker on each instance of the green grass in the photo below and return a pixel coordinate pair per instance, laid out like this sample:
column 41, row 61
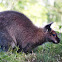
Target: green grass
column 48, row 52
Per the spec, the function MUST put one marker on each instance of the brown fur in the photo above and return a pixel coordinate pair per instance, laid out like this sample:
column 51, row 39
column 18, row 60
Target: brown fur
column 17, row 30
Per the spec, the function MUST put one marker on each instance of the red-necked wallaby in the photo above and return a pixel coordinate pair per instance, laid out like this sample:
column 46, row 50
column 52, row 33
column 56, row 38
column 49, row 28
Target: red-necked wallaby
column 18, row 30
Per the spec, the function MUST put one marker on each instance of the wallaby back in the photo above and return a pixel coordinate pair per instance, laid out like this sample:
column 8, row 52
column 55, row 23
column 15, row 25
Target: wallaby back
column 18, row 30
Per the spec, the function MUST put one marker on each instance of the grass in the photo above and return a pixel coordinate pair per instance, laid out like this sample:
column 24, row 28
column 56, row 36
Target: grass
column 48, row 52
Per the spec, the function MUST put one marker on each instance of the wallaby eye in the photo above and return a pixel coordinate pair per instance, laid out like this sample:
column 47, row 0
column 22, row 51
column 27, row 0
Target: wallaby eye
column 54, row 34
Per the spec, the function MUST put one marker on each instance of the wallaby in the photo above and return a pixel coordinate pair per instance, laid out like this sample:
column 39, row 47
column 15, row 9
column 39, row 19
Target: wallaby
column 18, row 30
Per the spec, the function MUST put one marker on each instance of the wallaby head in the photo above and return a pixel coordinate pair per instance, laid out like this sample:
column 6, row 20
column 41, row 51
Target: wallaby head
column 51, row 34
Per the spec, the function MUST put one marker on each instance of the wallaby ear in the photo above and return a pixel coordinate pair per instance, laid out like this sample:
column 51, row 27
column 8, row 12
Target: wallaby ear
column 48, row 26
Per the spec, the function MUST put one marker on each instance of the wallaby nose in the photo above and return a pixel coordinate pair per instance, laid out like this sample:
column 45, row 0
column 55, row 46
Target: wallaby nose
column 58, row 40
